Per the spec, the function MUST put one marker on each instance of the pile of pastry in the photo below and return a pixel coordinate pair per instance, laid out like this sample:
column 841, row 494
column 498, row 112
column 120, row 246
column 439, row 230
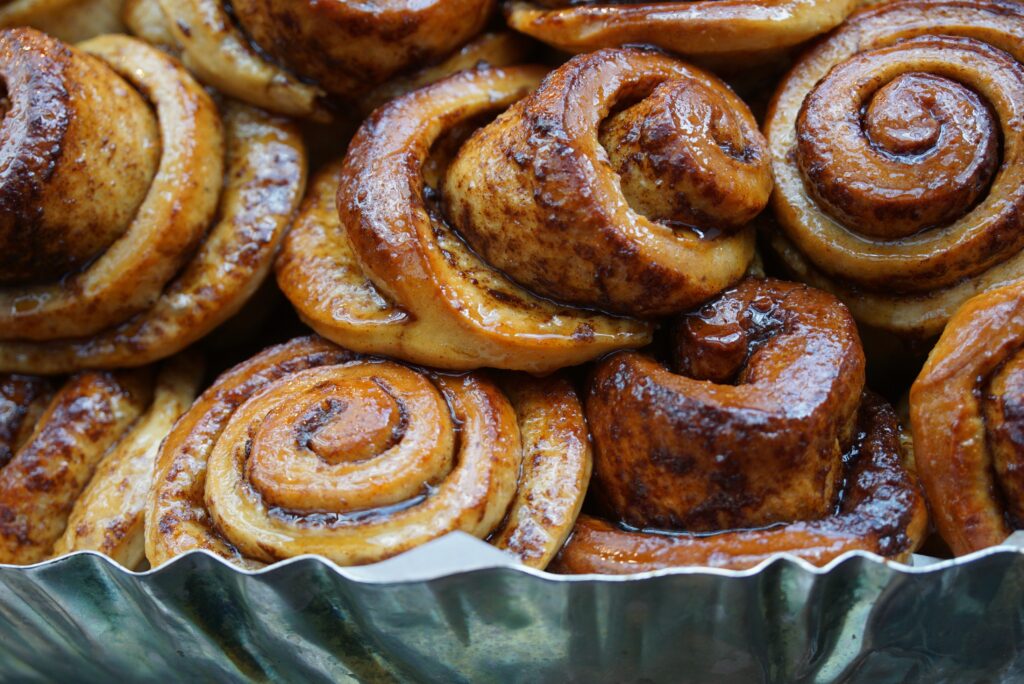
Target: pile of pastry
column 614, row 287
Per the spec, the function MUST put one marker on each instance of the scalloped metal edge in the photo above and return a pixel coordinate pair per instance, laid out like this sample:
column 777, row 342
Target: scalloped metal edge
column 435, row 560
column 459, row 610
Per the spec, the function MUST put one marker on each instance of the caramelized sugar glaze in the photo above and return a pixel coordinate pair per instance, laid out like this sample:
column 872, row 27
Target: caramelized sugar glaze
column 760, row 440
column 623, row 182
column 508, row 217
column 898, row 157
column 76, row 458
column 966, row 411
column 294, row 56
column 136, row 218
column 727, row 31
column 309, row 448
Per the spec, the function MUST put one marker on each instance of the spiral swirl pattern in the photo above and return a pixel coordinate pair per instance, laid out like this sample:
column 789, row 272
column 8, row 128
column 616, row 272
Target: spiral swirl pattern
column 625, row 183
column 54, row 437
column 309, row 448
column 288, row 56
column 381, row 271
column 897, row 152
column 128, row 236
column 728, row 30
column 762, row 441
column 966, row 412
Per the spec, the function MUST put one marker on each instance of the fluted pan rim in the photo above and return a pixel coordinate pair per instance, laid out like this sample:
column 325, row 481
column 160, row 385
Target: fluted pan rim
column 492, row 559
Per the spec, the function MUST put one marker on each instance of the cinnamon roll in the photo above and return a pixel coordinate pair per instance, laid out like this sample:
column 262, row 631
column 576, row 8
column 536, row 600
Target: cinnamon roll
column 310, row 448
column 624, row 183
column 898, row 155
column 762, row 440
column 52, row 439
column 729, row 29
column 70, row 20
column 135, row 218
column 287, row 56
column 965, row 410
column 108, row 516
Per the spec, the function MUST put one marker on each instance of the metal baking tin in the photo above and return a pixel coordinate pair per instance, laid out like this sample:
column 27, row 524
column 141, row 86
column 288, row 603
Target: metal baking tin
column 458, row 610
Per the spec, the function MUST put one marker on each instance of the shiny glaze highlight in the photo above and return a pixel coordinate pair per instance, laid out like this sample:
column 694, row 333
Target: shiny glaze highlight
column 537, row 194
column 197, row 247
column 309, row 448
column 966, row 413
column 761, row 441
column 372, row 262
column 899, row 161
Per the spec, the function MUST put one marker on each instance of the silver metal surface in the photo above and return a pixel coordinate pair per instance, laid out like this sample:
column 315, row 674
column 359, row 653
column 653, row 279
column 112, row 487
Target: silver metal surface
column 459, row 611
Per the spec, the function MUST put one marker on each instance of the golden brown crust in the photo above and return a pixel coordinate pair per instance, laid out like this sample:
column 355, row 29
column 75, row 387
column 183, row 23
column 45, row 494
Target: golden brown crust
column 721, row 28
column 764, row 425
column 965, row 410
column 1003, row 404
column 751, row 427
column 23, row 398
column 502, row 49
column 392, row 277
column 288, row 56
column 46, row 474
column 898, row 157
column 534, row 194
column 882, row 511
column 68, row 20
column 309, row 448
column 349, row 47
column 108, row 516
column 213, row 47
column 78, row 150
column 179, row 269
column 145, row 19
column 555, row 472
column 178, row 206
